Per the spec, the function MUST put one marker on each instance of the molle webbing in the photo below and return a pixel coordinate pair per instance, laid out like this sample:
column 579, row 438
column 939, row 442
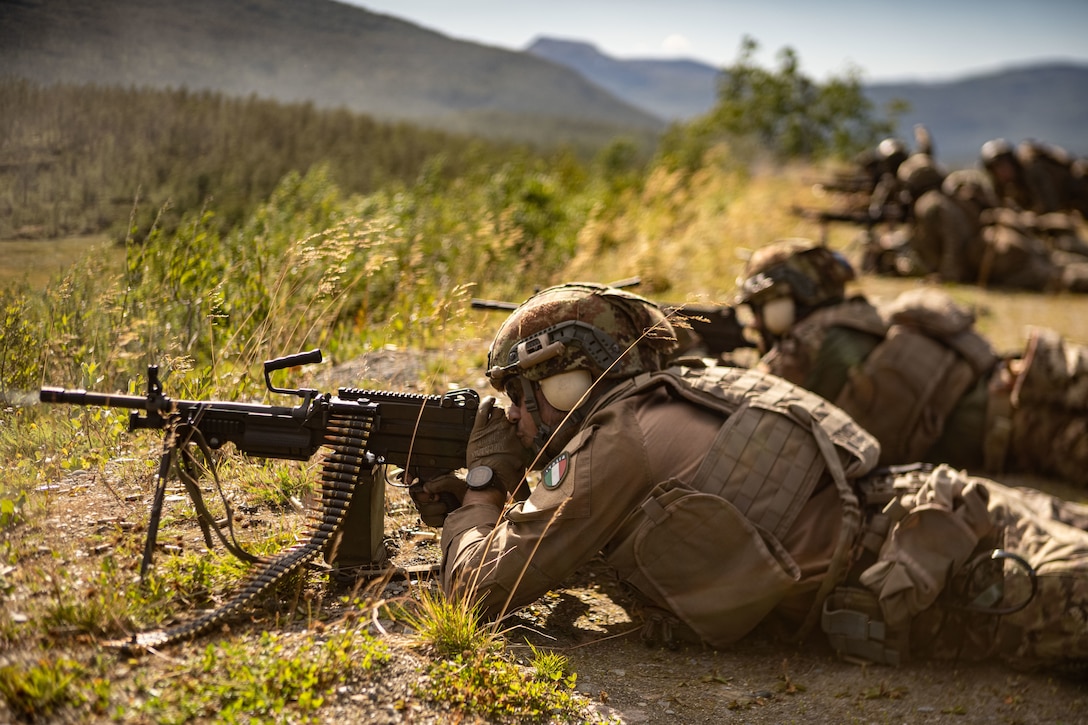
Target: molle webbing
column 767, row 392
column 347, row 434
column 854, row 314
column 774, row 439
column 752, row 448
column 776, row 434
column 904, row 392
column 770, row 453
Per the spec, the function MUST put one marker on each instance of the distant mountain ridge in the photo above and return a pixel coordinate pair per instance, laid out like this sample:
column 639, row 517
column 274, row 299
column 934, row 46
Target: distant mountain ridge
column 323, row 51
column 338, row 55
column 1048, row 102
column 670, row 89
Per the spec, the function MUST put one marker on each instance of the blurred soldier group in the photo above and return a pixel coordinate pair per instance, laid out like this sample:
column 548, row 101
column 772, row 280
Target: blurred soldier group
column 730, row 500
column 914, row 372
column 1014, row 222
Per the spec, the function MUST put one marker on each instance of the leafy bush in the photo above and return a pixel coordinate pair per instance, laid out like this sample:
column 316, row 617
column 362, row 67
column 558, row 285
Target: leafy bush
column 783, row 112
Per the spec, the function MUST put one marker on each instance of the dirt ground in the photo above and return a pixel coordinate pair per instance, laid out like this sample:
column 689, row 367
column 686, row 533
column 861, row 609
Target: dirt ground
column 758, row 681
column 765, row 681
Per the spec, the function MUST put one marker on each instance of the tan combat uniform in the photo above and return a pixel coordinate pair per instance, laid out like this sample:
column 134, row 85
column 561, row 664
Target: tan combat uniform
column 727, row 498
column 962, row 242
column 1051, row 180
column 917, row 376
column 632, row 457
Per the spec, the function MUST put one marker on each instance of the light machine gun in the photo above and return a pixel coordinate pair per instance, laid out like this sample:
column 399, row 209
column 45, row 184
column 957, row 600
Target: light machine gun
column 426, row 435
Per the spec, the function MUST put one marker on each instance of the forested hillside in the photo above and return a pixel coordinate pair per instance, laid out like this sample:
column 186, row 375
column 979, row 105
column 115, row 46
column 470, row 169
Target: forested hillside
column 80, row 159
column 320, row 51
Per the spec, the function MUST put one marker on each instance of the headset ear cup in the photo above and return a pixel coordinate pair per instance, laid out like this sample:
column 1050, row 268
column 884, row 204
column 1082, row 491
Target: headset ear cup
column 563, row 391
column 779, row 315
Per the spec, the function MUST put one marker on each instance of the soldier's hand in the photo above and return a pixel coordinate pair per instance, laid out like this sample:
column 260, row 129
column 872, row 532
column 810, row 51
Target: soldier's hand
column 437, row 497
column 494, row 443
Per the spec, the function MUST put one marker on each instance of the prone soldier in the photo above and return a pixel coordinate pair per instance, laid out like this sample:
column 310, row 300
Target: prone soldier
column 897, row 178
column 959, row 233
column 1036, row 177
column 914, row 372
column 731, row 499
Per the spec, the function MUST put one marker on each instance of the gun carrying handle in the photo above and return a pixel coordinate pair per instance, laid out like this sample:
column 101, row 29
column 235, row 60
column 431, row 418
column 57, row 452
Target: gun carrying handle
column 288, row 361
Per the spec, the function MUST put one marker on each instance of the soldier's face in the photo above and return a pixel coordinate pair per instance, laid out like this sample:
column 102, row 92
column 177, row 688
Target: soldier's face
column 1004, row 171
column 518, row 412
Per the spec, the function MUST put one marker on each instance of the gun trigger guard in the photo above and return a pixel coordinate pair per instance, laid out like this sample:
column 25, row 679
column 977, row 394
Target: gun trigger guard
column 396, row 477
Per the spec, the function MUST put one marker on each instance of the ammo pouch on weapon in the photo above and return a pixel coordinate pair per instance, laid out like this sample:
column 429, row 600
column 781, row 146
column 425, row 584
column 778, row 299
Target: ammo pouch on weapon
column 906, row 388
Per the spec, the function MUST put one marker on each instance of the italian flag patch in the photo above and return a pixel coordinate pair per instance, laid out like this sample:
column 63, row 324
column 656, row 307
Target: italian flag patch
column 556, row 471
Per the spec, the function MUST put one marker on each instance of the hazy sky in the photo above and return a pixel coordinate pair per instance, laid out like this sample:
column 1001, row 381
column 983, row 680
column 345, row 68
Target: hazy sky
column 904, row 40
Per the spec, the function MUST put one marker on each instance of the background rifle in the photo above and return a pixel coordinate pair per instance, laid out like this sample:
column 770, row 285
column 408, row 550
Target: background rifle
column 847, row 183
column 426, row 435
column 861, row 217
column 713, row 328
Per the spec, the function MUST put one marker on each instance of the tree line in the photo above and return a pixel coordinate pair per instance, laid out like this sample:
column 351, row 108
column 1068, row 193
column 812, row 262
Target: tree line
column 79, row 159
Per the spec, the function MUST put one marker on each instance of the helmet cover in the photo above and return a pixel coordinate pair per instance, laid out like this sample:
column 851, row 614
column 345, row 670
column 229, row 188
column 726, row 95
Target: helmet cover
column 609, row 332
column 810, row 273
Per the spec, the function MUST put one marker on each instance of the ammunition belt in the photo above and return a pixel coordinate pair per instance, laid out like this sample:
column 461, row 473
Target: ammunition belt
column 347, row 435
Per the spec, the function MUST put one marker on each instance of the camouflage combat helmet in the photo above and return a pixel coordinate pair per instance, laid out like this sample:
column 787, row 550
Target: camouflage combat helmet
column 970, row 185
column 920, row 174
column 893, row 152
column 812, row 274
column 612, row 333
column 997, row 148
column 1030, row 150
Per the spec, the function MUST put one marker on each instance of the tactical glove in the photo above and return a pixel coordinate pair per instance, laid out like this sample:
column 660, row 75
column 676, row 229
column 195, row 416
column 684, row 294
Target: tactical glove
column 437, row 497
column 494, row 443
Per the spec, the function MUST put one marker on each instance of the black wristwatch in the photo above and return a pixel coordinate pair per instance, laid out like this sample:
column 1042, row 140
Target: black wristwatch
column 480, row 478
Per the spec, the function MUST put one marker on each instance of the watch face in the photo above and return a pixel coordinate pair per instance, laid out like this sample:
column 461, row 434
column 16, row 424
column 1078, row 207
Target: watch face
column 479, row 477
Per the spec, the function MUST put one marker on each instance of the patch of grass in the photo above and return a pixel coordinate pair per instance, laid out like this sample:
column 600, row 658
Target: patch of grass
column 474, row 674
column 108, row 598
column 11, row 509
column 43, row 689
column 41, row 445
column 450, row 626
column 107, row 601
column 488, row 684
column 276, row 679
column 270, row 483
column 551, row 666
